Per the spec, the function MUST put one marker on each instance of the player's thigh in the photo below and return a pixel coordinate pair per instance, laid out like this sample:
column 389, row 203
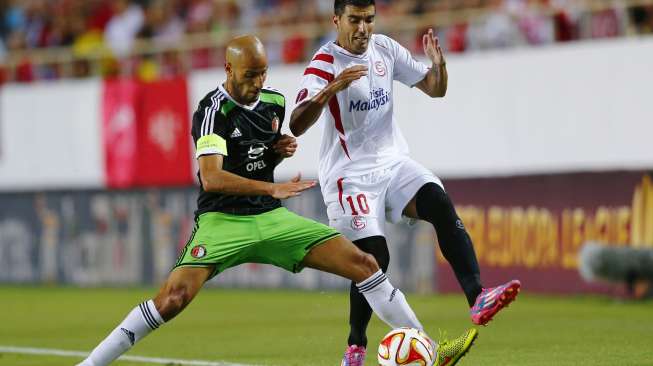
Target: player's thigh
column 286, row 239
column 406, row 181
column 356, row 206
column 218, row 241
column 341, row 257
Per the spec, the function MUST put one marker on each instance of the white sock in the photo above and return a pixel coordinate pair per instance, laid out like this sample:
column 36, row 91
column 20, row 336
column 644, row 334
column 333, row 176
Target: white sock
column 388, row 303
column 142, row 320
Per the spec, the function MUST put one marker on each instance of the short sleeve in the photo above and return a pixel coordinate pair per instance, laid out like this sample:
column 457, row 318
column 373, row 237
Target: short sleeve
column 407, row 70
column 316, row 76
column 209, row 131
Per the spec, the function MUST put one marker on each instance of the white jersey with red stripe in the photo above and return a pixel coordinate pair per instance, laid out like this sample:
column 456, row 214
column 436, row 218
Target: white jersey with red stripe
column 360, row 134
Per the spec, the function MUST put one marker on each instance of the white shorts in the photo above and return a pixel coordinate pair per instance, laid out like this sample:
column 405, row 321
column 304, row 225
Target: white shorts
column 359, row 206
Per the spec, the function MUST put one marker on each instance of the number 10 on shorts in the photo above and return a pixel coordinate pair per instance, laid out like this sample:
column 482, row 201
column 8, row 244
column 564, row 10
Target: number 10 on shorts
column 360, row 202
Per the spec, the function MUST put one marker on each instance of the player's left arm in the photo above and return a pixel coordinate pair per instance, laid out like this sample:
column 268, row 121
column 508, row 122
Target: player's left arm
column 434, row 83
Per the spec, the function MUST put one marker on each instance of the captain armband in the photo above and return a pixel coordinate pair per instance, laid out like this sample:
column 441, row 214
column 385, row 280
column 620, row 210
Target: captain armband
column 211, row 144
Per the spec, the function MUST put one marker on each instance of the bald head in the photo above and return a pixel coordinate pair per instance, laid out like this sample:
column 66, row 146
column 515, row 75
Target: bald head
column 245, row 49
column 247, row 66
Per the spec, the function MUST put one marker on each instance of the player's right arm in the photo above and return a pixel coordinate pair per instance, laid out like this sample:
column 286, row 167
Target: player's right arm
column 215, row 179
column 309, row 110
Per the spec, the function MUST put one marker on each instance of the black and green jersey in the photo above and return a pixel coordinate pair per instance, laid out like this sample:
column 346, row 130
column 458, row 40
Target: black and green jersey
column 244, row 135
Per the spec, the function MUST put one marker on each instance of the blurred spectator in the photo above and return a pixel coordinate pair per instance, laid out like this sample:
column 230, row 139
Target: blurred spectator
column 295, row 46
column 498, row 30
column 536, row 25
column 99, row 14
column 605, row 24
column 566, row 18
column 148, row 70
column 227, row 15
column 14, row 17
column 3, row 71
column 162, row 24
column 642, row 18
column 456, row 38
column 198, row 16
column 3, row 51
column 123, row 27
column 24, row 72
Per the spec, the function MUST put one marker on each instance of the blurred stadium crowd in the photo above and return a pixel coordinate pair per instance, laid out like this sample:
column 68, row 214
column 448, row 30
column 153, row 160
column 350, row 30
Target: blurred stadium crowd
column 159, row 38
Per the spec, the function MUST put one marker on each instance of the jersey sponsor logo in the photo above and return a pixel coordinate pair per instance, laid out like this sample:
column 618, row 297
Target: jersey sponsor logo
column 256, row 151
column 198, row 251
column 302, row 95
column 275, row 123
column 236, row 133
column 358, row 223
column 379, row 68
column 256, row 165
column 378, row 98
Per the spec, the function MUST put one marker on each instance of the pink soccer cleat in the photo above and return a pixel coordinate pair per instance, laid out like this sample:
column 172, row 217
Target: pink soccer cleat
column 493, row 299
column 354, row 356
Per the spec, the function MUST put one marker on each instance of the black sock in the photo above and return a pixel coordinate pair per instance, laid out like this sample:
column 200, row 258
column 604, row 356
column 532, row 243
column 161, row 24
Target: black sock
column 360, row 311
column 435, row 206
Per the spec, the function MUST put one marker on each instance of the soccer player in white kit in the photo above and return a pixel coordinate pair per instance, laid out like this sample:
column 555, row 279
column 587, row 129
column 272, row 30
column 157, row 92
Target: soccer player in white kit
column 365, row 173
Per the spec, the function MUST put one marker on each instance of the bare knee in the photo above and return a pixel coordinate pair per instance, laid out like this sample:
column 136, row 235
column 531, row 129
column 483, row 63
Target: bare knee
column 366, row 265
column 172, row 299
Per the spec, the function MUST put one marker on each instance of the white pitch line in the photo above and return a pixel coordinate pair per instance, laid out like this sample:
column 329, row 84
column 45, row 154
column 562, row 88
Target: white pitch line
column 80, row 354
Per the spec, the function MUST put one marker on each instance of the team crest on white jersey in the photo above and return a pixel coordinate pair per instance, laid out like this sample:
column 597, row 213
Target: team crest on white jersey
column 379, row 68
column 358, row 223
column 236, row 133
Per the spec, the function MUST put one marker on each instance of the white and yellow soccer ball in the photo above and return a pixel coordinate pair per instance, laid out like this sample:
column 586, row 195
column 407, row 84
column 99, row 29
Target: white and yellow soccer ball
column 406, row 347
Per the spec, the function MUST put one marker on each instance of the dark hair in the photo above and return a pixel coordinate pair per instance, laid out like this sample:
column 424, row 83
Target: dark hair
column 339, row 5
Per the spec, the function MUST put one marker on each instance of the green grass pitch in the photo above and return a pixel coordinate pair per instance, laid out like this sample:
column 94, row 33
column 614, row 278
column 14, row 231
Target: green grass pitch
column 309, row 328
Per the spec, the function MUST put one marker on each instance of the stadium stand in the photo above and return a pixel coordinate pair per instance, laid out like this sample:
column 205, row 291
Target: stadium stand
column 51, row 39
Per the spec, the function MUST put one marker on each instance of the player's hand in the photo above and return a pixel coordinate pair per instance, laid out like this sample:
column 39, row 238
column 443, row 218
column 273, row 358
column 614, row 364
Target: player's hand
column 432, row 48
column 286, row 146
column 291, row 189
column 348, row 76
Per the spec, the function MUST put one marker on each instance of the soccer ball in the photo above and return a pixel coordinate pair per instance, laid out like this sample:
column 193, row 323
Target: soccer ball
column 406, row 347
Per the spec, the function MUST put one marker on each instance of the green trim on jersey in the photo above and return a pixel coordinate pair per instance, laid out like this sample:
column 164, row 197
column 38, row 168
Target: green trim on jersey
column 227, row 107
column 278, row 237
column 272, row 97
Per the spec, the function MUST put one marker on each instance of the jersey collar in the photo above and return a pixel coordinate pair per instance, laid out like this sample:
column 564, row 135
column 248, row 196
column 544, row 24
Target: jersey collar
column 250, row 107
column 347, row 53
